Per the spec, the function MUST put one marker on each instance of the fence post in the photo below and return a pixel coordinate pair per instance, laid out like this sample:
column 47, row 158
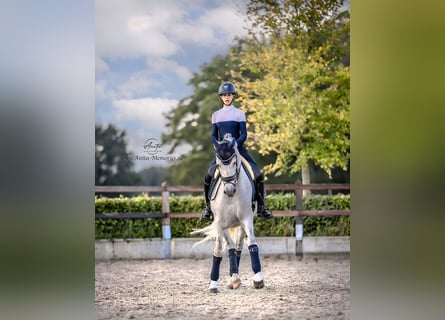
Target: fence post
column 166, row 231
column 299, row 222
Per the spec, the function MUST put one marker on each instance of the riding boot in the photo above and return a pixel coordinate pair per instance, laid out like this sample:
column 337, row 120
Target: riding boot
column 207, row 215
column 262, row 211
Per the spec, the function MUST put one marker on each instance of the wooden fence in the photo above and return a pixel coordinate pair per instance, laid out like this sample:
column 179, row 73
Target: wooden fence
column 166, row 215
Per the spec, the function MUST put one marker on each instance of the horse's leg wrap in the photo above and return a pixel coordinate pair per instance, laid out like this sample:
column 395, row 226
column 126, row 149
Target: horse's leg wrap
column 214, row 274
column 255, row 258
column 238, row 257
column 233, row 261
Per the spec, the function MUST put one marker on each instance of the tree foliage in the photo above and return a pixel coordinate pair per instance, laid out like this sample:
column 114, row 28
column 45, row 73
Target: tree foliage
column 153, row 176
column 298, row 100
column 113, row 163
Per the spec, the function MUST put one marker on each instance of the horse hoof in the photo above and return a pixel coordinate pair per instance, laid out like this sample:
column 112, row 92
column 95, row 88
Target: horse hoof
column 258, row 280
column 258, row 284
column 234, row 282
column 213, row 290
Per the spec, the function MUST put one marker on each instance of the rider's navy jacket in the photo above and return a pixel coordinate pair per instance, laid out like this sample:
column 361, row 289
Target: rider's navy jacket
column 231, row 120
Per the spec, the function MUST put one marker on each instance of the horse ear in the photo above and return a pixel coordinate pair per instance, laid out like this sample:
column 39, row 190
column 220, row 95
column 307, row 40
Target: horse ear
column 233, row 144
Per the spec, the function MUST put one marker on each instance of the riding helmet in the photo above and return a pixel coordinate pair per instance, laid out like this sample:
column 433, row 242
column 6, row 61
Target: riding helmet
column 226, row 87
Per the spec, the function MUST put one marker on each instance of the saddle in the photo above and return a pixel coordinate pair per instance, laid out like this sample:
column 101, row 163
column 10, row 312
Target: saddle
column 217, row 181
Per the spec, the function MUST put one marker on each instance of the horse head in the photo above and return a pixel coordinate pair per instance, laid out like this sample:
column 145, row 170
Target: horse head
column 228, row 161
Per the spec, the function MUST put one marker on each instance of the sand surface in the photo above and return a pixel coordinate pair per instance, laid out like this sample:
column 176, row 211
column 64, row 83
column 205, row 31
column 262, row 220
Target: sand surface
column 317, row 287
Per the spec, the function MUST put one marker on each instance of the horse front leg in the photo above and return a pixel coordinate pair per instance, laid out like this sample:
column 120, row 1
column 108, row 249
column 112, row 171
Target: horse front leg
column 258, row 279
column 216, row 262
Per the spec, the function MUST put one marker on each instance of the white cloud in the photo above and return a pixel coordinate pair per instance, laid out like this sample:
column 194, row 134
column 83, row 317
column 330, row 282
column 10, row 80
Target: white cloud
column 149, row 111
column 104, row 91
column 101, row 66
column 166, row 65
column 215, row 27
column 101, row 89
column 225, row 24
column 161, row 28
column 137, row 84
column 132, row 28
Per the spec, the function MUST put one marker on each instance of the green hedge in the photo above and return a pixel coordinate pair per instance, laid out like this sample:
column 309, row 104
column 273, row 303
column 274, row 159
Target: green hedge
column 181, row 228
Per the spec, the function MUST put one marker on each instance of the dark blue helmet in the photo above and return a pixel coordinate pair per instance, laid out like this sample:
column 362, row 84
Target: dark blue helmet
column 226, row 87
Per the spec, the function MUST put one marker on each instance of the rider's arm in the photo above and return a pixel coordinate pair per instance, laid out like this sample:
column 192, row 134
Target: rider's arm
column 243, row 134
column 214, row 135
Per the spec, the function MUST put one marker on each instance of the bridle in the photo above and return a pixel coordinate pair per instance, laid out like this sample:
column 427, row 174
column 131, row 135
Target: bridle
column 233, row 179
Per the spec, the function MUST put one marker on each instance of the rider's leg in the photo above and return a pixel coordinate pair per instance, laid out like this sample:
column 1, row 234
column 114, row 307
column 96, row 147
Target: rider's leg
column 207, row 213
column 262, row 211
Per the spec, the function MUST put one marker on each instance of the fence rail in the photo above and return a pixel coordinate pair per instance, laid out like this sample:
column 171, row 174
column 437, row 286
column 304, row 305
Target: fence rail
column 269, row 187
column 166, row 215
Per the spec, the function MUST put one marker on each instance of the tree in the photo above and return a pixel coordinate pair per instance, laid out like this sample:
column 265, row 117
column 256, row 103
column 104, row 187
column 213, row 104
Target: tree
column 153, row 176
column 113, row 163
column 298, row 103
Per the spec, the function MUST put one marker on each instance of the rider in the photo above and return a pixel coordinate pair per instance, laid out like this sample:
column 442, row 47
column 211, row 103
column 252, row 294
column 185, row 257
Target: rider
column 230, row 119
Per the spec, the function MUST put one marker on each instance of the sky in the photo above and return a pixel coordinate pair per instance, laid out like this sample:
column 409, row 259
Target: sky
column 146, row 53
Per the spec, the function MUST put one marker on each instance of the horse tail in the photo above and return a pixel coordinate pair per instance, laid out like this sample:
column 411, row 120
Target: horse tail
column 210, row 232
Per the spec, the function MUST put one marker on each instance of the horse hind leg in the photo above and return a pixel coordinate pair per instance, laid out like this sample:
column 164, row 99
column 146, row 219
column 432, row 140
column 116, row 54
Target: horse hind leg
column 235, row 280
column 239, row 244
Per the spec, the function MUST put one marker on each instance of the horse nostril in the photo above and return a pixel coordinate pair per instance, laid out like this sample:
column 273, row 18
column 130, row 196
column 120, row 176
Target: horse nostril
column 229, row 189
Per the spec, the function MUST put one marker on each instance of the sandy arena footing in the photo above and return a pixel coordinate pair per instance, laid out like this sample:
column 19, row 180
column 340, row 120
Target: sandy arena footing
column 317, row 287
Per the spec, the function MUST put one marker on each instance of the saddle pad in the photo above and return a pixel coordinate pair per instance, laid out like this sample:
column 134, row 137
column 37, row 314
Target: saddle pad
column 248, row 168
